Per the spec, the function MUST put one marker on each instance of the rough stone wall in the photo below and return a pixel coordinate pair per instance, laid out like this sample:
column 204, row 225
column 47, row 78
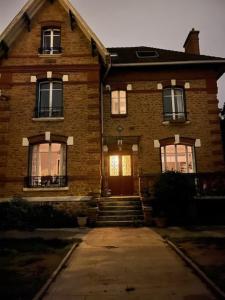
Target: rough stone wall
column 81, row 106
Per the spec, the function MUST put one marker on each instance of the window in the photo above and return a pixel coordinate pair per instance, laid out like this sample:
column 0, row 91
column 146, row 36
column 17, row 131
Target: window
column 51, row 41
column 147, row 54
column 118, row 103
column 173, row 102
column 50, row 99
column 178, row 158
column 47, row 165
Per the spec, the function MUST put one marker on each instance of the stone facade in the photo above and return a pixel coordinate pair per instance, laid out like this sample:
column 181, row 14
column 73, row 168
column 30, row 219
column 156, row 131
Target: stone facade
column 81, row 106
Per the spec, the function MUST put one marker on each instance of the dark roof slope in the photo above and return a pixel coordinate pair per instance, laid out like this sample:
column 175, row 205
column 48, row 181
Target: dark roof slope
column 128, row 55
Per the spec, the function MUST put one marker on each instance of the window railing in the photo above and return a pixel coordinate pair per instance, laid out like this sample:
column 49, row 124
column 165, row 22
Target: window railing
column 45, row 181
column 50, row 50
column 48, row 112
column 175, row 116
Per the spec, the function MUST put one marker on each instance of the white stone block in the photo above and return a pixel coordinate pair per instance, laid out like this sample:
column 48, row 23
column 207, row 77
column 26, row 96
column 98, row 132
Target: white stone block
column 33, row 79
column 197, row 143
column 156, row 144
column 129, row 87
column 65, row 78
column 159, row 86
column 105, row 148
column 49, row 74
column 135, row 148
column 47, row 135
column 25, row 142
column 173, row 82
column 187, row 85
column 70, row 141
column 177, row 139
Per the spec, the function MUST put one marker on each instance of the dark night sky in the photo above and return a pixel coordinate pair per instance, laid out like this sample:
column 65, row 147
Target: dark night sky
column 158, row 23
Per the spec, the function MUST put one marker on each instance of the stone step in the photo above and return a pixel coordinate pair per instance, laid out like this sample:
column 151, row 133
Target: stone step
column 110, row 202
column 121, row 218
column 119, row 207
column 119, row 212
column 122, row 198
column 119, row 223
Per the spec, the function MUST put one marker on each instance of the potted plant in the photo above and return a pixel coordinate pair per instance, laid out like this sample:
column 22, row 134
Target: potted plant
column 92, row 212
column 81, row 218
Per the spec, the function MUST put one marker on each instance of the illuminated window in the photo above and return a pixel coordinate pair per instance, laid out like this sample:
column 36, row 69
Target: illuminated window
column 47, row 164
column 178, row 158
column 114, row 165
column 51, row 41
column 173, row 104
column 50, row 99
column 118, row 103
column 126, row 165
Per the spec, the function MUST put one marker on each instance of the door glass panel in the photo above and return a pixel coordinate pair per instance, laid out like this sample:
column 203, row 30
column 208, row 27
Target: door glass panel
column 114, row 165
column 126, row 165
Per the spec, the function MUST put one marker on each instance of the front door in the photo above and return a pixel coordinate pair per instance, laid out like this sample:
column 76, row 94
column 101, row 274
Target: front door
column 120, row 174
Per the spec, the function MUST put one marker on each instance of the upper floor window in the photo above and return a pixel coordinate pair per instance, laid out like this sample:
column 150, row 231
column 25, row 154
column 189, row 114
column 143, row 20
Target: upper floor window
column 47, row 165
column 118, row 103
column 178, row 158
column 173, row 104
column 50, row 99
column 51, row 41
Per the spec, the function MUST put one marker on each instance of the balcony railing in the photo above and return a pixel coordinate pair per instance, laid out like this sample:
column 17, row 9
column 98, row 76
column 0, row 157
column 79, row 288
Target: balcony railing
column 45, row 181
column 48, row 112
column 50, row 50
column 175, row 116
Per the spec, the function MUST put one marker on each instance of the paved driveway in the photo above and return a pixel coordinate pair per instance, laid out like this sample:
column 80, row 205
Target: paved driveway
column 126, row 263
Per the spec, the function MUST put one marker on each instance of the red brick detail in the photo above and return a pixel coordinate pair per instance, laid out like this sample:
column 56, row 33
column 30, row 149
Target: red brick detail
column 211, row 86
column 93, row 117
column 214, row 101
column 214, row 121
column 41, row 138
column 213, row 111
column 93, row 106
column 217, row 152
column 93, row 140
column 219, row 163
column 215, row 131
column 54, row 68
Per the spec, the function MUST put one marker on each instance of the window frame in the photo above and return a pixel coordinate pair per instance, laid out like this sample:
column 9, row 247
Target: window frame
column 52, row 49
column 194, row 165
column 63, row 164
column 120, row 115
column 38, row 112
column 173, row 116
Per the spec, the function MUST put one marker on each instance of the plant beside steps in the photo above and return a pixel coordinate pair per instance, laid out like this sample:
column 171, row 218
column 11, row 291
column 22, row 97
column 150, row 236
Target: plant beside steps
column 120, row 211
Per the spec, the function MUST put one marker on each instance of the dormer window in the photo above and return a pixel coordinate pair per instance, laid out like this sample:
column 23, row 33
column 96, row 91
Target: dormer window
column 51, row 41
column 147, row 54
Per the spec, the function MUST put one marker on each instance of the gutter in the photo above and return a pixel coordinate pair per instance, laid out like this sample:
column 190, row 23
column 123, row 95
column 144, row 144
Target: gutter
column 175, row 63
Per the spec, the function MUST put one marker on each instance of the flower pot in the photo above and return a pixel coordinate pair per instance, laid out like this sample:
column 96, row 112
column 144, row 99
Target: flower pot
column 82, row 221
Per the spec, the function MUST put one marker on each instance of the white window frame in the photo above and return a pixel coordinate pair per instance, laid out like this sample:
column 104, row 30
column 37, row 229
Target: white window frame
column 163, row 153
column 52, row 35
column 118, row 99
column 175, row 115
column 50, row 102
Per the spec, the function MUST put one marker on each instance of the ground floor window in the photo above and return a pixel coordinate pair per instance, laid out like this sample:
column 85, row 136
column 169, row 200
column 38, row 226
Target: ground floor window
column 178, row 158
column 48, row 164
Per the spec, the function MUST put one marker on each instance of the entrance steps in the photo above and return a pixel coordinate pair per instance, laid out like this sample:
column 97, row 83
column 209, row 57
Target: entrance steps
column 120, row 211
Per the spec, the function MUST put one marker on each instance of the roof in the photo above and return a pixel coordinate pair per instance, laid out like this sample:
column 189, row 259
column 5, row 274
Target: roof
column 29, row 10
column 134, row 56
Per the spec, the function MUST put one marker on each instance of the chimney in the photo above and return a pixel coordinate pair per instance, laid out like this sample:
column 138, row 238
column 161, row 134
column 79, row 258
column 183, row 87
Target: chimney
column 191, row 44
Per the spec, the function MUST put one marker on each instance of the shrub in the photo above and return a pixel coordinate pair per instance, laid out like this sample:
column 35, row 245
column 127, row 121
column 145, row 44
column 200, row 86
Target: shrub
column 173, row 192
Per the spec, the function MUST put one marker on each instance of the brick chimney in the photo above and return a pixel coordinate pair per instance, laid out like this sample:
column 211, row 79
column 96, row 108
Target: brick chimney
column 191, row 44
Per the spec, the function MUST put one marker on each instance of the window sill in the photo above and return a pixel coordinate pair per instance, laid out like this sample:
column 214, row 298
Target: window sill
column 173, row 122
column 50, row 55
column 48, row 119
column 46, row 189
column 118, row 115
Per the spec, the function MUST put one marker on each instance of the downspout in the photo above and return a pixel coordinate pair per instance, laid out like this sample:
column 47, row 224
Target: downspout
column 102, row 118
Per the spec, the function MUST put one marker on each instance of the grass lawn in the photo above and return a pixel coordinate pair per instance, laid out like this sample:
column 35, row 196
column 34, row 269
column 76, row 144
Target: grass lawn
column 25, row 265
column 204, row 245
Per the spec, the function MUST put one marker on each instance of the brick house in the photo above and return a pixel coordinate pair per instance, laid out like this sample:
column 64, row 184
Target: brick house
column 78, row 118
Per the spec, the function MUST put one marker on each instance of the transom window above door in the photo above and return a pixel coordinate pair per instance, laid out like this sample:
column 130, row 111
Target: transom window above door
column 173, row 104
column 179, row 158
column 118, row 102
column 49, row 99
column 51, row 41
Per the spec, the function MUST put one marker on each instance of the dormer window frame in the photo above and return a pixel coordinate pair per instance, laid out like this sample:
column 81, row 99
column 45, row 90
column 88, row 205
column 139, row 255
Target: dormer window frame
column 51, row 49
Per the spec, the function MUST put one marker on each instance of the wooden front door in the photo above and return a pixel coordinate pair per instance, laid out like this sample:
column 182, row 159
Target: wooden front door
column 120, row 174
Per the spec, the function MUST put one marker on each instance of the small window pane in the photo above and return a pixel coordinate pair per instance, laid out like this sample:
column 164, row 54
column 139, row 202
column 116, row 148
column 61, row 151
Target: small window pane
column 115, row 106
column 126, row 165
column 123, row 108
column 114, row 165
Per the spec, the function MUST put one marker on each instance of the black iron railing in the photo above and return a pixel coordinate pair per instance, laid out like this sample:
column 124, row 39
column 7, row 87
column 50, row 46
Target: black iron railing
column 45, row 181
column 175, row 116
column 48, row 112
column 50, row 50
